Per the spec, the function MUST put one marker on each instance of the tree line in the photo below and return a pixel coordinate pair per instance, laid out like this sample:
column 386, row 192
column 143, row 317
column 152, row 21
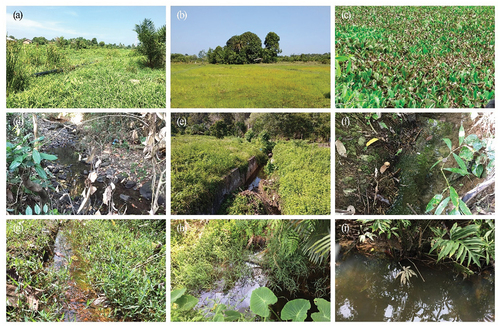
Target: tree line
column 310, row 126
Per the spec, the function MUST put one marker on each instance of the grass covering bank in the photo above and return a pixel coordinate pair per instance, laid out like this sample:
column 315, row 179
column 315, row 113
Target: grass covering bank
column 414, row 56
column 126, row 261
column 198, row 164
column 106, row 78
column 303, row 172
column 250, row 86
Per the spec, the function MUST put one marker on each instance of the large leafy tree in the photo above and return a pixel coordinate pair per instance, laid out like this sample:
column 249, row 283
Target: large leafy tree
column 152, row 43
column 272, row 47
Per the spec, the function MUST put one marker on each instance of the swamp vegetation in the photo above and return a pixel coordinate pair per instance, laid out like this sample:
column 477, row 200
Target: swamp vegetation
column 71, row 163
column 86, row 270
column 415, row 270
column 250, row 270
column 415, row 163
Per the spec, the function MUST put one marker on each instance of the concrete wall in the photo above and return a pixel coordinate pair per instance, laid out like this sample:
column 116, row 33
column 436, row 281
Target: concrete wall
column 233, row 181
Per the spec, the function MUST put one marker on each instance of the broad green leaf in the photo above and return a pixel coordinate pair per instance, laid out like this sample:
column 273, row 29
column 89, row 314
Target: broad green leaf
column 324, row 310
column 37, row 209
column 49, row 157
column 338, row 71
column 29, row 211
column 36, row 157
column 17, row 161
column 341, row 58
column 466, row 154
column 176, row 294
column 260, row 300
column 218, row 318
column 474, row 141
column 232, row 315
column 465, row 210
column 454, row 211
column 186, row 302
column 442, row 206
column 433, row 202
column 461, row 135
column 296, row 310
column 45, row 208
column 448, row 142
column 460, row 162
column 454, row 196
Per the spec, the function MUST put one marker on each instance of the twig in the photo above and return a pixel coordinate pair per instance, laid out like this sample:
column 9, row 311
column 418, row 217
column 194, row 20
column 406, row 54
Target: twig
column 417, row 269
column 409, row 206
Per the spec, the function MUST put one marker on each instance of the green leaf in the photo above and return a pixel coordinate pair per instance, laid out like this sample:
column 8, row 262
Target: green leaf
column 218, row 318
column 324, row 310
column 232, row 315
column 17, row 161
column 176, row 294
column 36, row 156
column 383, row 125
column 37, row 209
column 40, row 171
column 478, row 169
column 49, row 157
column 433, row 202
column 465, row 210
column 460, row 162
column 435, row 164
column 461, row 135
column 296, row 310
column 474, row 141
column 466, row 154
column 260, row 299
column 45, row 208
column 29, row 211
column 186, row 302
column 348, row 67
column 442, row 206
column 338, row 71
column 448, row 142
column 454, row 196
column 456, row 170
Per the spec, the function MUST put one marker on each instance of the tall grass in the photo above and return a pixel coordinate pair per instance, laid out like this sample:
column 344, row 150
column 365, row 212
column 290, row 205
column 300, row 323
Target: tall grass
column 250, row 86
column 198, row 165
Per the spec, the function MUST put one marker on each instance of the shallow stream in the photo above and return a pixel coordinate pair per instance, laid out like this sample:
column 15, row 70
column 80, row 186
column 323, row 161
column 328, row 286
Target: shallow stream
column 368, row 290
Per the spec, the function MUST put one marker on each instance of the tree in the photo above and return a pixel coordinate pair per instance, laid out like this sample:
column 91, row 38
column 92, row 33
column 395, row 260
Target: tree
column 272, row 46
column 94, row 41
column 251, row 45
column 152, row 43
column 202, row 55
column 101, row 44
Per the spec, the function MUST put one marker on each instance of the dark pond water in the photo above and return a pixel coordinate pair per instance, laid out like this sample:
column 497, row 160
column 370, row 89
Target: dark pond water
column 253, row 185
column 368, row 290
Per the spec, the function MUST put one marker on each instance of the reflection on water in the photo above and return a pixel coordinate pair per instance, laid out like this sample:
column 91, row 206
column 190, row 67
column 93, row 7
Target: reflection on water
column 368, row 290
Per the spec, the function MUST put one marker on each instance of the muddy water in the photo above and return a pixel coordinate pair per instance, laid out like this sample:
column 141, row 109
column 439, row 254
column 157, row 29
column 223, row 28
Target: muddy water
column 74, row 182
column 79, row 295
column 368, row 290
column 418, row 183
column 253, row 185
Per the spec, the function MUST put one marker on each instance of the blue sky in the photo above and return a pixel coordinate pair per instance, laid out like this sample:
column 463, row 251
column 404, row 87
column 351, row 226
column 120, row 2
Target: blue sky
column 108, row 24
column 301, row 29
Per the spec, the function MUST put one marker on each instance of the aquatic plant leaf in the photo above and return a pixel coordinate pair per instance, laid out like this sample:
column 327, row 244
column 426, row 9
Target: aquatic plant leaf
column 36, row 156
column 296, row 310
column 186, row 302
column 442, row 206
column 454, row 196
column 340, row 148
column 433, row 202
column 260, row 300
column 371, row 141
column 232, row 315
column 461, row 135
column 448, row 142
column 176, row 294
column 324, row 310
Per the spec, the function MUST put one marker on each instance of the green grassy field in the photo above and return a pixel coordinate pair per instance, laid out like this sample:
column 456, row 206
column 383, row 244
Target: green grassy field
column 110, row 78
column 250, row 86
column 414, row 57
column 198, row 164
column 304, row 177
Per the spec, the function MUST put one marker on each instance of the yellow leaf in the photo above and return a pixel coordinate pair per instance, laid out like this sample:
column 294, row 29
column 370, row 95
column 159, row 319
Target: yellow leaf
column 113, row 222
column 371, row 141
column 74, row 258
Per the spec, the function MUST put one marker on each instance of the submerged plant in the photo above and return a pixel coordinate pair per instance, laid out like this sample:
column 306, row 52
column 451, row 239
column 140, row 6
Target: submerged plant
column 405, row 274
